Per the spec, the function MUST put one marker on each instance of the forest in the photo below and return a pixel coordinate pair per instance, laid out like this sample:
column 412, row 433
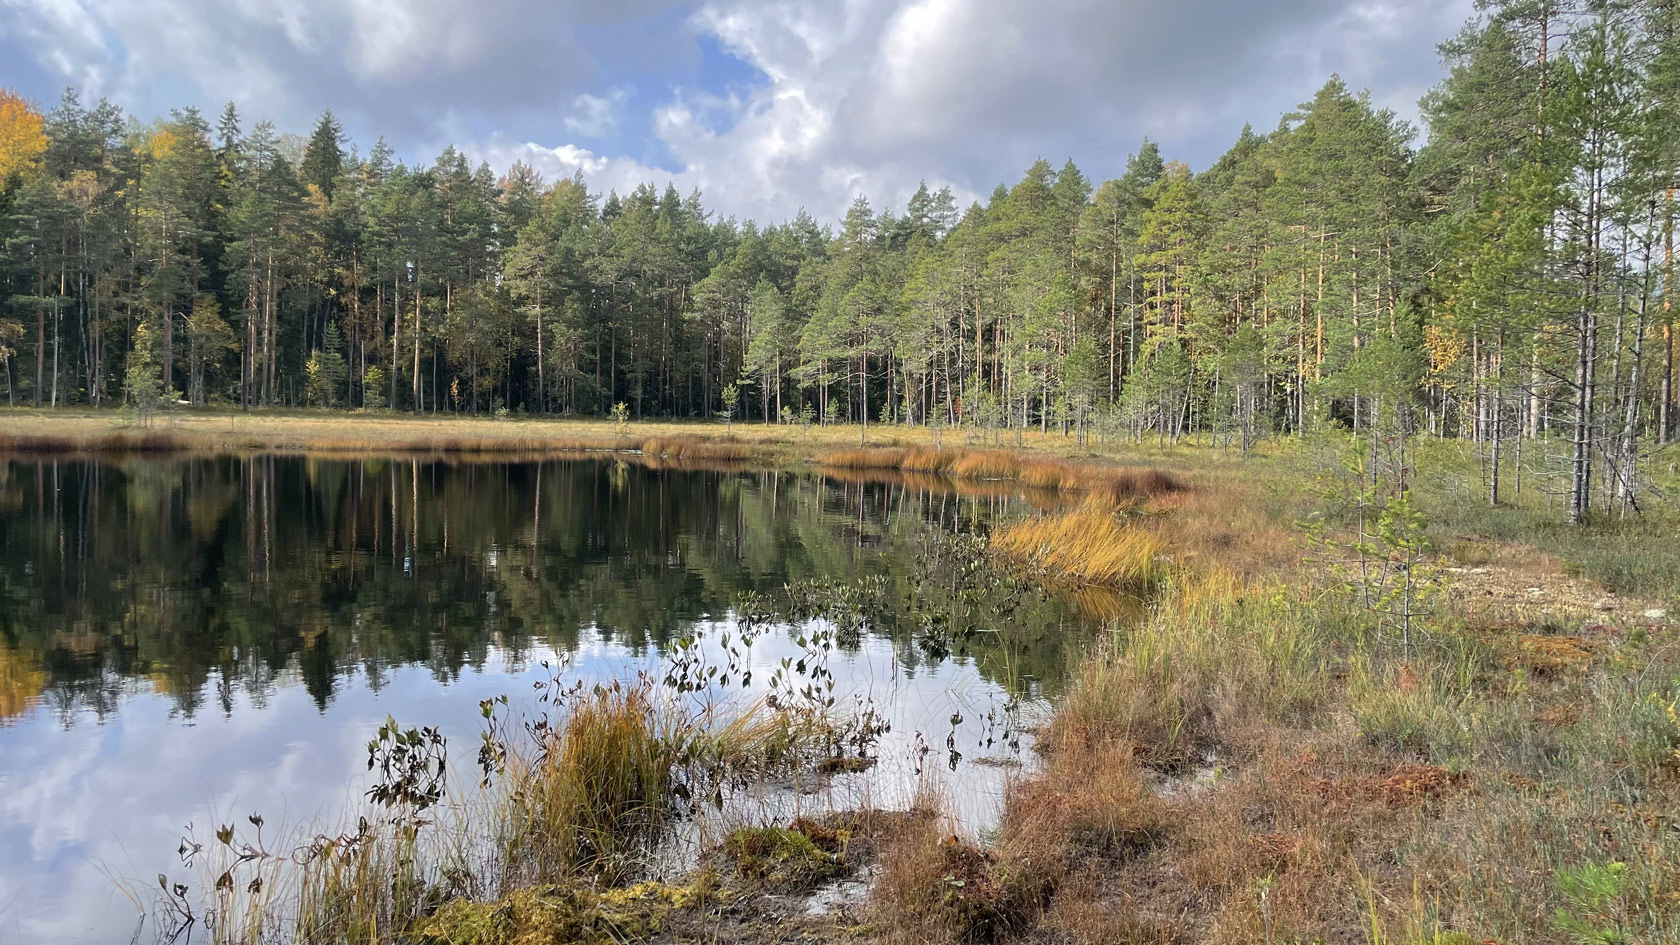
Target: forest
column 1502, row 275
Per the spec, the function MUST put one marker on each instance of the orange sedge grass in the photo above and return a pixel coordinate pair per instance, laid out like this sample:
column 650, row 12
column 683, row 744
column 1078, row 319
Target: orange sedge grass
column 1089, row 545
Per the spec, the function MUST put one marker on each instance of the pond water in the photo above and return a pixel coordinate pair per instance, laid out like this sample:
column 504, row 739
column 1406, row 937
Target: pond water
column 184, row 642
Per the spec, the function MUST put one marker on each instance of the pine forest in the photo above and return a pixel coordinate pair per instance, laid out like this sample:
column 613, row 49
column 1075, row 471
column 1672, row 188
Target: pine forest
column 1503, row 274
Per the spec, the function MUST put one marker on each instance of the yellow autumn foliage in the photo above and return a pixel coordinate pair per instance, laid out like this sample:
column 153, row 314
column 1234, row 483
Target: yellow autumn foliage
column 161, row 143
column 23, row 135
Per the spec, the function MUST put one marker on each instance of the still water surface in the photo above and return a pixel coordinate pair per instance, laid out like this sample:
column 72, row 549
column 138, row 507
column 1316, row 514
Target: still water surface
column 184, row 642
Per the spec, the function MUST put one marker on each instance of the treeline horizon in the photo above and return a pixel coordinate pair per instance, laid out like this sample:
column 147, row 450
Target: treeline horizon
column 1509, row 278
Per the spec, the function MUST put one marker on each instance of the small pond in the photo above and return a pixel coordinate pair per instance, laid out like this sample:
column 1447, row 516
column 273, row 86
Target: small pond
column 184, row 642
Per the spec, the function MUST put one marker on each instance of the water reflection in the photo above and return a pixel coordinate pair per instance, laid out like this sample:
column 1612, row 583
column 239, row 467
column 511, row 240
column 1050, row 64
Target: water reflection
column 181, row 639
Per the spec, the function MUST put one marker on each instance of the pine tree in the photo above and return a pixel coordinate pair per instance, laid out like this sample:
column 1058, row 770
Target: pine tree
column 323, row 157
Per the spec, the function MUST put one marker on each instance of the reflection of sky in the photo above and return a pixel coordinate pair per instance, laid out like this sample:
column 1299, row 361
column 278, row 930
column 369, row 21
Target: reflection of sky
column 82, row 803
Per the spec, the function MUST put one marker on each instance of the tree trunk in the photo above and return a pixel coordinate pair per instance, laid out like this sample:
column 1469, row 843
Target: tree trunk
column 396, row 336
column 40, row 330
column 1586, row 356
column 542, row 382
column 1628, row 454
column 415, row 393
column 1665, row 405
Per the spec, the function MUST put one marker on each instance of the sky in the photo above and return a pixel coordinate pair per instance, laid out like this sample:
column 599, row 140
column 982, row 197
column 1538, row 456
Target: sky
column 765, row 106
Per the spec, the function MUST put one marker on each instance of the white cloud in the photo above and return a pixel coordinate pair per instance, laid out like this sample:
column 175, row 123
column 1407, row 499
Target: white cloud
column 848, row 96
column 392, row 67
column 63, row 35
column 595, row 116
column 872, row 96
column 604, row 173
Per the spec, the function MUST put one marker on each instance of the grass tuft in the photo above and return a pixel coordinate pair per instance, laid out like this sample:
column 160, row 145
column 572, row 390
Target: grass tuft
column 598, row 790
column 787, row 859
column 939, row 888
column 1089, row 545
column 987, row 464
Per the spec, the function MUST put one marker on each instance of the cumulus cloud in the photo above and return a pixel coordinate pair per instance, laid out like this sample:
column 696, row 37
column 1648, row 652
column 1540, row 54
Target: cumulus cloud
column 403, row 68
column 829, row 98
column 604, row 173
column 871, row 95
column 594, row 116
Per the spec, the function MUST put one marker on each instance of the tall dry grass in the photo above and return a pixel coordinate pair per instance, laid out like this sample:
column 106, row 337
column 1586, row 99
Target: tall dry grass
column 1089, row 545
column 696, row 448
column 596, row 792
column 1120, row 487
column 1257, row 760
column 118, row 442
column 987, row 464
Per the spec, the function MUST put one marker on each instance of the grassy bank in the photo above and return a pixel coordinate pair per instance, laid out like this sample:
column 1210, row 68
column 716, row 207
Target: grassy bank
column 1271, row 757
column 319, row 431
column 1045, row 463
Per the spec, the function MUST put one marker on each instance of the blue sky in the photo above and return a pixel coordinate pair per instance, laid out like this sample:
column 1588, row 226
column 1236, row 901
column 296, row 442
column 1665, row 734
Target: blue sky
column 765, row 105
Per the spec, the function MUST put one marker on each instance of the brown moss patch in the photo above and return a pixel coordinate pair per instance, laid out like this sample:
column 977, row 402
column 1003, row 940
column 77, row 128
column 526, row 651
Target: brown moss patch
column 1419, row 782
column 1544, row 654
column 952, row 890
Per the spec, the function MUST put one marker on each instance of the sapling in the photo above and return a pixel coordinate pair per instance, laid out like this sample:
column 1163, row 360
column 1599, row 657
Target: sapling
column 731, row 399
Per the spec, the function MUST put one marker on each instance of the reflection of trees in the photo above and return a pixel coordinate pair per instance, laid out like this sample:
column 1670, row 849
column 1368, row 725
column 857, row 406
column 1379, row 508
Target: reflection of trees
column 201, row 576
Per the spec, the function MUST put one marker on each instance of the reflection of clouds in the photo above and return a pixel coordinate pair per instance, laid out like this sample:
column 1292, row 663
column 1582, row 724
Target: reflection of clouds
column 919, row 704
column 91, row 802
column 96, row 801
column 38, row 770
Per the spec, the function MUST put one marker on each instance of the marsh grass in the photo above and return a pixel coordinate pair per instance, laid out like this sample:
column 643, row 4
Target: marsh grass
column 597, row 791
column 580, row 798
column 1243, row 768
column 1090, row 545
column 340, row 431
column 1119, row 487
column 1257, row 761
column 143, row 442
column 697, row 448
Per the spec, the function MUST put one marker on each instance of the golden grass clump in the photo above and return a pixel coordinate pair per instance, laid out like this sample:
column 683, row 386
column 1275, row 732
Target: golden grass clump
column 1045, row 474
column 865, row 459
column 987, row 464
column 1089, row 545
column 1126, row 487
column 598, row 789
column 920, row 459
column 913, row 459
column 695, row 448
